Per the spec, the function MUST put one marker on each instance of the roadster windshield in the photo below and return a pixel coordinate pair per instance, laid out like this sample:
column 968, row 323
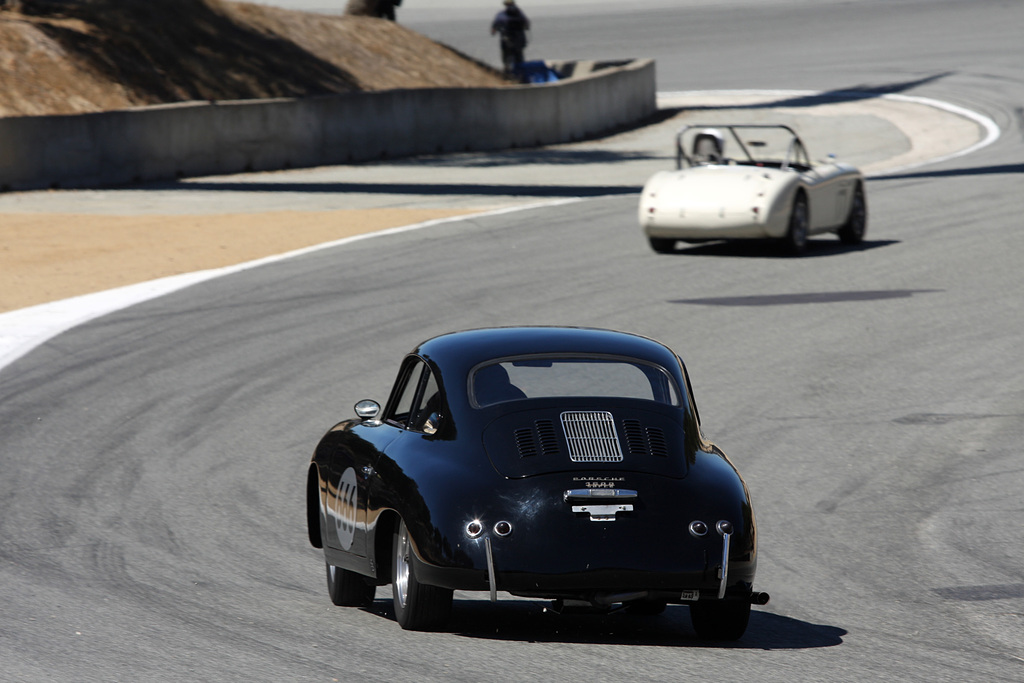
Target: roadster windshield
column 545, row 377
column 775, row 145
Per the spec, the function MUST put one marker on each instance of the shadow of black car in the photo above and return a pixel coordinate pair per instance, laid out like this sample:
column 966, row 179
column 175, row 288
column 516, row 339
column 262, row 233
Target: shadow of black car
column 530, row 621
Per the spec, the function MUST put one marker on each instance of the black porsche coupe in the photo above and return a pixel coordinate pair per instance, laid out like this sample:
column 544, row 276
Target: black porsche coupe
column 563, row 464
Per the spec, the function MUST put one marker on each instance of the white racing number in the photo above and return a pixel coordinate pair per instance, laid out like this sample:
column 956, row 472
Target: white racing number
column 345, row 509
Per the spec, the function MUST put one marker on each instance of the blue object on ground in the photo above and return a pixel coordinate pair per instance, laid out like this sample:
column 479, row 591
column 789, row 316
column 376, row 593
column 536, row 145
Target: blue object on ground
column 535, row 72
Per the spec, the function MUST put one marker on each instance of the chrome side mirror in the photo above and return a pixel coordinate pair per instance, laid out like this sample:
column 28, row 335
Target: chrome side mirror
column 367, row 409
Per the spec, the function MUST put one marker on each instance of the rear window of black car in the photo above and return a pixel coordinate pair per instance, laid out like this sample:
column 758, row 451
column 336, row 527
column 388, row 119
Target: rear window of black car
column 514, row 379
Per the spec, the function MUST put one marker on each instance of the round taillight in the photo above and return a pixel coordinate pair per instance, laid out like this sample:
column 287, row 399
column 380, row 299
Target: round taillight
column 503, row 528
column 474, row 529
column 724, row 527
column 698, row 528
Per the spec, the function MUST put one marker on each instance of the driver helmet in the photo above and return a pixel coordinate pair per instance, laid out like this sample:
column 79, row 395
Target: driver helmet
column 709, row 145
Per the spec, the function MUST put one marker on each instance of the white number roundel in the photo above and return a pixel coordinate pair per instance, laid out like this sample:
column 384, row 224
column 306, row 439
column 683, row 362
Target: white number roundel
column 345, row 509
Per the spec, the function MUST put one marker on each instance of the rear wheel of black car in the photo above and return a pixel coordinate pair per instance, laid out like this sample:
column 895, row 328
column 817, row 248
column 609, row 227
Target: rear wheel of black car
column 720, row 620
column 418, row 607
column 348, row 589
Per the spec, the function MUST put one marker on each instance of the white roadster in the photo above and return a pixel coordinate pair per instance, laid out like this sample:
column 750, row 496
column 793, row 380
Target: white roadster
column 766, row 188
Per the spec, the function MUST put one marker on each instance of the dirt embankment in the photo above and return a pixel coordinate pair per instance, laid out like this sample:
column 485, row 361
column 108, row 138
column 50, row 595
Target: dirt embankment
column 74, row 56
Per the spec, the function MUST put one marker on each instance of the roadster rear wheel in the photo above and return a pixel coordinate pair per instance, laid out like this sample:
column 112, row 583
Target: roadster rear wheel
column 857, row 223
column 720, row 620
column 418, row 607
column 799, row 225
column 348, row 589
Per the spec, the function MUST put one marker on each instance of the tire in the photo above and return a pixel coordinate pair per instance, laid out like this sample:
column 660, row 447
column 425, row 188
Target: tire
column 799, row 225
column 348, row 589
column 418, row 607
column 856, row 224
column 720, row 620
column 662, row 245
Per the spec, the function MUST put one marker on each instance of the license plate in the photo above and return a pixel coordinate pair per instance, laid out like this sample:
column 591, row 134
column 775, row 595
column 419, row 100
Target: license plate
column 690, row 596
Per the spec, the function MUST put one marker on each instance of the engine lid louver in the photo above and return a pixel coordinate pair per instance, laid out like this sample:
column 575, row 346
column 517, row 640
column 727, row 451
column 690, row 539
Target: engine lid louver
column 525, row 442
column 542, row 439
column 656, row 442
column 548, row 437
column 642, row 440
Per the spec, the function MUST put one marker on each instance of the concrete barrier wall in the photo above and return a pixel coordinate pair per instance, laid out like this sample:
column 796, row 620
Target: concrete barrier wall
column 210, row 138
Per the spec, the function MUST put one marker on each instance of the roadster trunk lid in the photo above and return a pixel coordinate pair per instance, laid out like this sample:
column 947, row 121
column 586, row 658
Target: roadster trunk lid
column 720, row 192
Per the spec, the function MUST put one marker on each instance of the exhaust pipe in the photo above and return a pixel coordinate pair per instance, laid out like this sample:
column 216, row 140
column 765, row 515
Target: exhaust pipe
column 759, row 598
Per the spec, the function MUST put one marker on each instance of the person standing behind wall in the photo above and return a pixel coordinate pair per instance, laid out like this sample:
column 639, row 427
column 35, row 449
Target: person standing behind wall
column 512, row 24
column 384, row 9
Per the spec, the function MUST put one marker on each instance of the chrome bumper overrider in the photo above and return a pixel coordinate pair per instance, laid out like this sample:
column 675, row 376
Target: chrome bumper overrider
column 723, row 572
column 490, row 570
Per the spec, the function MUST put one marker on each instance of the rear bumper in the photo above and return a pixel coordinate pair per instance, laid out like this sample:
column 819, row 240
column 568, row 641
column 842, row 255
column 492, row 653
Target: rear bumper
column 679, row 587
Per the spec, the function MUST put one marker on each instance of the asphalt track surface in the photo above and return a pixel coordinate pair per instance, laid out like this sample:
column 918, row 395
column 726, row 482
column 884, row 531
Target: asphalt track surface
column 151, row 518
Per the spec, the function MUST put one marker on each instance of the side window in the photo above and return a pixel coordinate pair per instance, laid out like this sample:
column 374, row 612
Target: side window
column 411, row 378
column 417, row 403
column 428, row 414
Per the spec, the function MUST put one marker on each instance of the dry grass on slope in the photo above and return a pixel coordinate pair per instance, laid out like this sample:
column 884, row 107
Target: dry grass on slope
column 75, row 56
